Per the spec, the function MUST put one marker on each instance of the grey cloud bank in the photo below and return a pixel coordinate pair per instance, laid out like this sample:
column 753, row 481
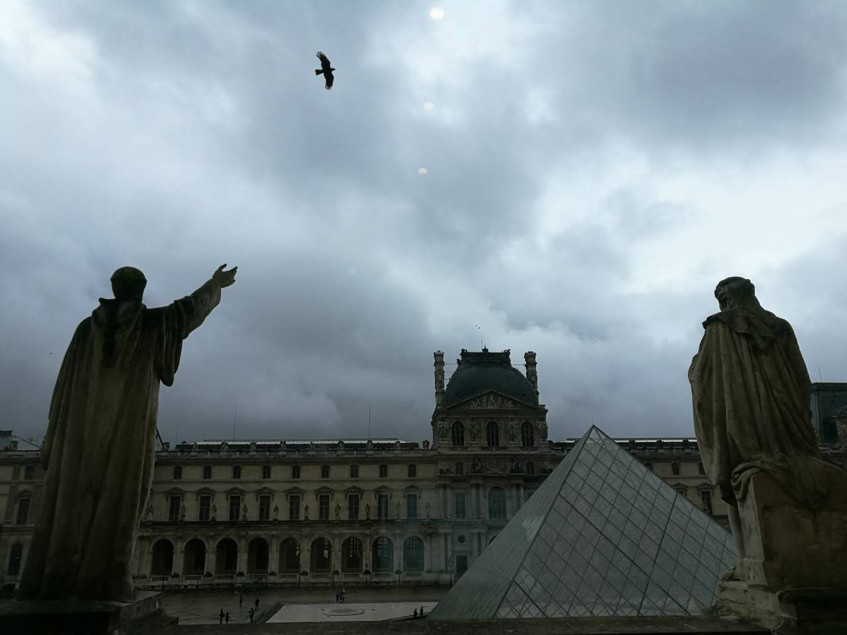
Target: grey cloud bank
column 593, row 171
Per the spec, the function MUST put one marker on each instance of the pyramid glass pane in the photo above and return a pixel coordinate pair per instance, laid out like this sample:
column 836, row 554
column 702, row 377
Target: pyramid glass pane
column 602, row 536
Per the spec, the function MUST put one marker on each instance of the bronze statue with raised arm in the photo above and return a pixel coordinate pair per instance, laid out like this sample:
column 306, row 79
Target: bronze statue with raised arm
column 99, row 448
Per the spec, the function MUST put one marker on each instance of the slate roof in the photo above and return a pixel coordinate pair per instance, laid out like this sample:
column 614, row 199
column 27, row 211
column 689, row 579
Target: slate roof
column 481, row 372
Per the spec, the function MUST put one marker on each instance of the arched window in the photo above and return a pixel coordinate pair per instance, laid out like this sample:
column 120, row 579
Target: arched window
column 527, row 435
column 458, row 434
column 492, row 434
column 289, row 556
column 351, row 555
column 194, row 559
column 226, row 556
column 23, row 510
column 15, row 559
column 257, row 556
column 413, row 554
column 321, row 560
column 496, row 504
column 383, row 555
column 163, row 558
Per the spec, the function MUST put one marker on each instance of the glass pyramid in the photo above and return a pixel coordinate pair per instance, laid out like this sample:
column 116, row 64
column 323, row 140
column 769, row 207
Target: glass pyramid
column 602, row 536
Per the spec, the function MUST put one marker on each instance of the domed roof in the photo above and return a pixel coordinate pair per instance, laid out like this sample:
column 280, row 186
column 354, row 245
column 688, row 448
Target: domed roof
column 478, row 373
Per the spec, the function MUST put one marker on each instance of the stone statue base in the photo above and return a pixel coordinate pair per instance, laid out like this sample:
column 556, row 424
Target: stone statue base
column 73, row 617
column 795, row 565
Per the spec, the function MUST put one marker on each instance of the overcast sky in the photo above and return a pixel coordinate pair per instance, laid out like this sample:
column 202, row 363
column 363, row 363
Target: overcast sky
column 572, row 177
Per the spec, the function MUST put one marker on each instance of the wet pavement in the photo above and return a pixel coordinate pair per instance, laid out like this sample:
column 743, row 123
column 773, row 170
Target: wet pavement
column 204, row 607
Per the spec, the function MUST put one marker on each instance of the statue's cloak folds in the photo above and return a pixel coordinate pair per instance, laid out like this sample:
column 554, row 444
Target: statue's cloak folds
column 99, row 448
column 751, row 396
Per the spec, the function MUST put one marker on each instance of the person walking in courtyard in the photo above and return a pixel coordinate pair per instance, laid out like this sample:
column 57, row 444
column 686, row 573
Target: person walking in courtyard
column 251, row 612
column 240, row 600
column 257, row 604
column 221, row 617
column 226, row 617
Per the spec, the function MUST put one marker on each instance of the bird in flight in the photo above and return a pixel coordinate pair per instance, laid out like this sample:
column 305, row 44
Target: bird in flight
column 325, row 69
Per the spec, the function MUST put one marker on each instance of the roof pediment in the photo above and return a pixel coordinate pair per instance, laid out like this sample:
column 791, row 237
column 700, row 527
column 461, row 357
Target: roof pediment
column 490, row 400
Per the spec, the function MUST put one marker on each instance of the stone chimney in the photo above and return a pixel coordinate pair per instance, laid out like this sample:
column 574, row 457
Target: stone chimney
column 439, row 377
column 531, row 373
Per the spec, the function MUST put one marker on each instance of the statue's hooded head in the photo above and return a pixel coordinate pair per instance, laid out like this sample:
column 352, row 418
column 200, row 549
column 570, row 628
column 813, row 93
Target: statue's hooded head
column 128, row 284
column 736, row 293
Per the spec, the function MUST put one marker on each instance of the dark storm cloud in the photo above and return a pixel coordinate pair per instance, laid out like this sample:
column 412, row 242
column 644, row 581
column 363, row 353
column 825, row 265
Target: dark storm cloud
column 177, row 136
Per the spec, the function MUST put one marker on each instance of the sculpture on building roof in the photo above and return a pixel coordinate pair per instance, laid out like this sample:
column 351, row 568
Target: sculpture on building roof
column 99, row 447
column 751, row 393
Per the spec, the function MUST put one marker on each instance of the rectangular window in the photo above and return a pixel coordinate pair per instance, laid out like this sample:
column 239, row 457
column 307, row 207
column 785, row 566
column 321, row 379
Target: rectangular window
column 413, row 471
column 266, row 471
column 204, row 512
column 411, row 506
column 382, row 506
column 353, row 507
column 236, row 471
column 234, row 507
column 675, row 469
column 700, row 468
column 294, row 507
column 323, row 507
column 354, row 471
column 23, row 511
column 324, row 471
column 177, row 472
column 173, row 508
column 295, row 471
column 706, row 500
column 264, row 507
column 383, row 471
column 460, row 505
column 207, row 472
column 28, row 472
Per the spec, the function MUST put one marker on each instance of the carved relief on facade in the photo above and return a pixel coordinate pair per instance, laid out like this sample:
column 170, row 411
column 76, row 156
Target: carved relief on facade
column 491, row 401
column 475, row 428
column 497, row 466
column 513, row 430
column 443, row 432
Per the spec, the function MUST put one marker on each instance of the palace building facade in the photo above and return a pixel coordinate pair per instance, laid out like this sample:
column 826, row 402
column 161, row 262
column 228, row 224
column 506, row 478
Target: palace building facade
column 350, row 511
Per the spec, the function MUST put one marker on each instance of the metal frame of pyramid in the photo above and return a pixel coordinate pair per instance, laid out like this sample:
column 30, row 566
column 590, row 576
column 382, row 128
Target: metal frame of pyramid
column 602, row 536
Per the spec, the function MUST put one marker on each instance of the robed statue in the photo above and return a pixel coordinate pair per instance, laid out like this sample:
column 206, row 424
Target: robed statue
column 751, row 397
column 99, row 448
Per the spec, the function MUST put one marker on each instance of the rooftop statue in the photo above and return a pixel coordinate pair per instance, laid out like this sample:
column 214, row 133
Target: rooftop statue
column 751, row 395
column 99, row 448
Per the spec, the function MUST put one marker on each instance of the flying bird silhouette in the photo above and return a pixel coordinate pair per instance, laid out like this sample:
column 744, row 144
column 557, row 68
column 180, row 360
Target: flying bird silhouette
column 325, row 70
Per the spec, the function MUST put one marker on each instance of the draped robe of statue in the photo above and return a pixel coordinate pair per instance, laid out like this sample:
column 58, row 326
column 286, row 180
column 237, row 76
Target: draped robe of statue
column 751, row 398
column 99, row 448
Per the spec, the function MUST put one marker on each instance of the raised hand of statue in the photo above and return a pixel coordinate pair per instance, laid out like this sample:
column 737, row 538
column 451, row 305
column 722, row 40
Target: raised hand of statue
column 224, row 278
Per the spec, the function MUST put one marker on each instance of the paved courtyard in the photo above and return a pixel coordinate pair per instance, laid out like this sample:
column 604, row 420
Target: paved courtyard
column 293, row 605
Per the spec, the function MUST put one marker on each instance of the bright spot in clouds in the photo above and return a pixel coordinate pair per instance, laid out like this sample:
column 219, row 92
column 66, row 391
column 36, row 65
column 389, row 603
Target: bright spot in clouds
column 436, row 13
column 428, row 106
column 423, row 171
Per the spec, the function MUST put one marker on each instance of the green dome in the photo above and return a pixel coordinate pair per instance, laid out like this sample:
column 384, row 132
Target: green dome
column 478, row 373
